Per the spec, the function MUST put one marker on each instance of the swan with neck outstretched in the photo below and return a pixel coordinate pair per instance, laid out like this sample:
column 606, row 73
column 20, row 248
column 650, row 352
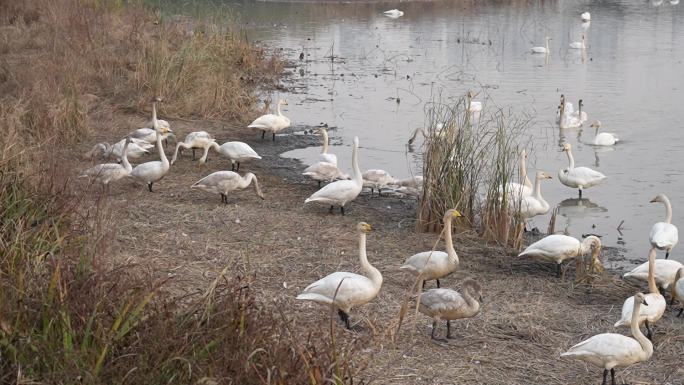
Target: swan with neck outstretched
column 324, row 156
column 149, row 134
column 324, row 172
column 272, row 123
column 558, row 248
column 567, row 116
column 603, row 138
column 650, row 315
column 449, row 305
column 578, row 177
column 194, row 140
column 344, row 290
column 516, row 190
column 436, row 264
column 341, row 192
column 533, row 205
column 611, row 350
column 543, row 50
column 579, row 44
column 154, row 171
column 236, row 152
column 224, row 182
column 580, row 113
column 664, row 235
column 111, row 172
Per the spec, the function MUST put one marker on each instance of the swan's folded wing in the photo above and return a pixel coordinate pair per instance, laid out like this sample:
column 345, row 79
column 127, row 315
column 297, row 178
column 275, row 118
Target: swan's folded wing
column 664, row 234
column 426, row 260
column 606, row 345
column 216, row 178
column 340, row 190
column 351, row 283
column 442, row 300
column 264, row 121
column 555, row 244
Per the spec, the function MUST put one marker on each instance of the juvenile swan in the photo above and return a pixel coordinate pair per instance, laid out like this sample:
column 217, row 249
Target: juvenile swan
column 111, row 172
column 436, row 264
column 448, row 305
column 352, row 290
column 610, row 350
column 377, row 180
column 578, row 177
column 272, row 123
column 557, row 248
column 223, row 182
column 324, row 172
column 664, row 235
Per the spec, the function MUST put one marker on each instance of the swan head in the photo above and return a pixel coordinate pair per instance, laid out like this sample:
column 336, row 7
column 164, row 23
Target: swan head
column 640, row 298
column 473, row 288
column 470, row 94
column 567, row 147
column 452, row 214
column 596, row 124
column 356, row 141
column 156, row 99
column 363, row 228
column 523, row 154
column 659, row 198
column 282, row 102
column 580, row 103
column 541, row 175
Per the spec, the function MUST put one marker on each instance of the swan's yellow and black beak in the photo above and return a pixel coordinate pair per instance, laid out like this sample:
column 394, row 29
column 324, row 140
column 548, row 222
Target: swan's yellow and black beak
column 365, row 227
column 654, row 200
column 456, row 214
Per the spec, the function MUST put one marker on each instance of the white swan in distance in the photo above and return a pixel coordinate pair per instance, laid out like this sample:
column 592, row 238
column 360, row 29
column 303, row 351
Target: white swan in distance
column 578, row 177
column 193, row 141
column 566, row 116
column 111, row 172
column 377, row 180
column 542, row 50
column 651, row 314
column 272, row 123
column 516, row 190
column 558, row 248
column 136, row 149
column 448, row 305
column 224, row 182
column 236, row 152
column 154, row 171
column 324, row 156
column 603, row 138
column 431, row 265
column 611, row 350
column 664, row 273
column 580, row 113
column 579, row 44
column 324, row 172
column 664, row 235
column 533, row 205
column 585, row 16
column 341, row 192
column 393, row 13
column 347, row 290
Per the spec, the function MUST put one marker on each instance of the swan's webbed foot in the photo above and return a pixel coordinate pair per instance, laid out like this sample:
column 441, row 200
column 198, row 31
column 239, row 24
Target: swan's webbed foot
column 344, row 317
column 149, row 186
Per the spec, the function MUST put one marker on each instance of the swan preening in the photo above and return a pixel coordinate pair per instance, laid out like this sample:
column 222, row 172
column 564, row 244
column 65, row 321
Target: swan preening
column 664, row 235
column 394, row 13
column 341, row 192
column 578, row 177
column 651, row 314
column 545, row 49
column 272, row 123
column 557, row 248
column 223, row 182
column 111, row 172
column 430, row 265
column 610, row 350
column 448, row 305
column 194, row 140
column 154, row 171
column 377, row 180
column 236, row 152
column 345, row 290
column 603, row 138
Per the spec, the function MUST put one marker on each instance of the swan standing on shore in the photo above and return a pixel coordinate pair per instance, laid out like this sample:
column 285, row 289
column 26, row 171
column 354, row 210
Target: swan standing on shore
column 193, row 141
column 664, row 235
column 578, row 177
column 149, row 134
column 610, row 350
column 236, row 152
column 533, row 205
column 223, row 182
column 341, row 192
column 656, row 301
column 557, row 248
column 377, row 179
column 431, row 265
column 154, row 171
column 603, row 138
column 347, row 290
column 544, row 50
column 272, row 123
column 449, row 305
column 324, row 156
column 324, row 172
column 664, row 273
column 111, row 172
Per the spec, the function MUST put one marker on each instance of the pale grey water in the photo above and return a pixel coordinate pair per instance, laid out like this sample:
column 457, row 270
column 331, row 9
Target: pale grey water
column 631, row 80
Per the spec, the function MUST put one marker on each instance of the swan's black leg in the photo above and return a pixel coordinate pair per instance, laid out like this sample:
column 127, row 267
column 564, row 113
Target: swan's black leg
column 149, row 186
column 232, row 166
column 605, row 377
column 193, row 154
column 342, row 209
column 680, row 312
column 372, row 191
column 667, row 254
column 612, row 376
column 331, row 209
column 558, row 270
column 449, row 330
column 438, row 283
column 263, row 133
column 423, row 284
column 580, row 193
column 379, row 192
column 319, row 184
column 649, row 332
column 274, row 136
column 434, row 328
column 345, row 318
column 238, row 167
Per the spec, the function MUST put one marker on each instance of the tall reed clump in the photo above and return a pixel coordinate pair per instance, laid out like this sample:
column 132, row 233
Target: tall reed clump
column 467, row 157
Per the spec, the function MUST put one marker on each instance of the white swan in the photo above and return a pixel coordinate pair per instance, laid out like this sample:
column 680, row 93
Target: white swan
column 236, row 152
column 544, row 50
column 664, row 273
column 111, row 172
column 149, row 134
column 272, row 123
column 474, row 107
column 415, row 182
column 578, row 44
column 154, row 171
column 431, row 265
column 603, row 138
column 324, row 156
column 448, row 305
column 341, row 192
column 377, row 179
column 580, row 113
column 533, row 205
column 585, row 16
column 136, row 149
column 610, row 350
column 558, row 247
column 223, row 182
column 656, row 301
column 347, row 290
column 578, row 177
column 393, row 13
column 664, row 235
column 194, row 140
column 678, row 290
column 324, row 172
column 516, row 190
column 566, row 116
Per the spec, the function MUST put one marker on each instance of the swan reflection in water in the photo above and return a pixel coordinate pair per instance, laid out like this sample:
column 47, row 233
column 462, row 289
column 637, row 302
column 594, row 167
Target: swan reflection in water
column 601, row 150
column 579, row 208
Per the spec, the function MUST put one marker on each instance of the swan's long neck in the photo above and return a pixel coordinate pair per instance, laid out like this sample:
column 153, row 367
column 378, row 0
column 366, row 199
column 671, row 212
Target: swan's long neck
column 668, row 208
column 154, row 115
column 162, row 154
column 652, row 287
column 246, row 180
column 561, row 121
column 537, row 188
column 646, row 345
column 124, row 158
column 373, row 273
column 355, row 166
column 523, row 172
column 571, row 159
column 325, row 141
column 472, row 302
column 547, row 45
column 278, row 109
column 453, row 257
column 213, row 145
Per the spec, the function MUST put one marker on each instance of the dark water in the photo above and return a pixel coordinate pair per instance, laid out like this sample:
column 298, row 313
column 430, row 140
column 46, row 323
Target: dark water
column 630, row 78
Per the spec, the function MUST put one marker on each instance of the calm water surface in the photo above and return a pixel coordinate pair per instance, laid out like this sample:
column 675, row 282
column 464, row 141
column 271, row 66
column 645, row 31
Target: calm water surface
column 630, row 79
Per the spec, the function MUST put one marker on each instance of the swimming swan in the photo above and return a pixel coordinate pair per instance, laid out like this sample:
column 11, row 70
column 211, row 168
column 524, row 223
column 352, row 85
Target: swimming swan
column 341, row 192
column 610, row 350
column 223, row 182
column 111, row 172
column 558, row 247
column 394, row 13
column 578, row 44
column 352, row 290
column 578, row 177
column 664, row 235
column 194, row 140
column 436, row 264
column 603, row 138
column 544, row 50
column 533, row 205
column 154, row 171
column 656, row 301
column 448, row 305
column 324, row 156
column 272, row 123
column 236, row 152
